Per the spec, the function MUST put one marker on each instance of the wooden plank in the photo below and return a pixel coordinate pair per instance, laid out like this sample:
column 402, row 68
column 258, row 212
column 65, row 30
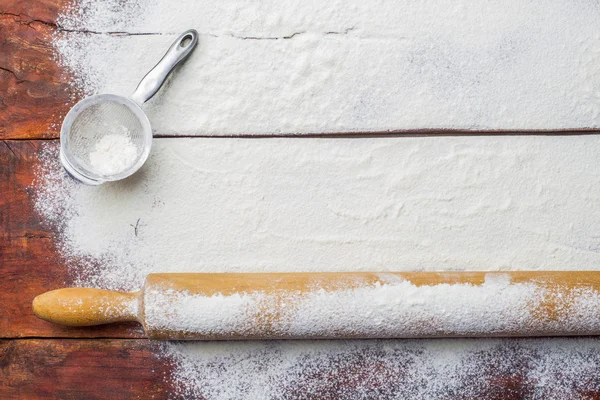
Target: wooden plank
column 366, row 72
column 35, row 93
column 29, row 261
column 82, row 369
column 34, row 90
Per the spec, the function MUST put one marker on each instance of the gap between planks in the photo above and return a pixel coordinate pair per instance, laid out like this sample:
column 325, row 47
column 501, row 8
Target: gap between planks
column 376, row 134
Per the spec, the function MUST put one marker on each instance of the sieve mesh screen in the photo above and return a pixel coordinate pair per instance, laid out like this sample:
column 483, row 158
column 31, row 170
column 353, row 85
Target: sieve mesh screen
column 97, row 120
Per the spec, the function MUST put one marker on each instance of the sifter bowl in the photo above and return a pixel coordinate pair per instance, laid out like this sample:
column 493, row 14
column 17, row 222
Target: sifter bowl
column 114, row 129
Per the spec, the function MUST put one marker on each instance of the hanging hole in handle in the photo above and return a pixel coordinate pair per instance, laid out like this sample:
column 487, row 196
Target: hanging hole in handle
column 186, row 40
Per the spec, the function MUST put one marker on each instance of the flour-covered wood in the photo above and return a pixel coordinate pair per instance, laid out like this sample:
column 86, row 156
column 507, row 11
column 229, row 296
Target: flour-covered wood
column 294, row 68
column 29, row 259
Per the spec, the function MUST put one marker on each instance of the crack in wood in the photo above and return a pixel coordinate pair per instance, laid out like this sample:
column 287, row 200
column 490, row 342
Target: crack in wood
column 290, row 36
column 9, row 148
column 10, row 71
column 123, row 33
column 109, row 33
column 24, row 19
column 344, row 32
column 33, row 236
column 29, row 20
column 267, row 37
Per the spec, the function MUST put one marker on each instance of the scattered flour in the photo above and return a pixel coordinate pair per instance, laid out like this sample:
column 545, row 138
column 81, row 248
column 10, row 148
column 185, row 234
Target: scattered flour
column 554, row 369
column 379, row 204
column 113, row 154
column 344, row 66
column 461, row 203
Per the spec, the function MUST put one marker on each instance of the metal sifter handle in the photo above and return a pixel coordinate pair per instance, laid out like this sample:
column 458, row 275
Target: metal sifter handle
column 179, row 51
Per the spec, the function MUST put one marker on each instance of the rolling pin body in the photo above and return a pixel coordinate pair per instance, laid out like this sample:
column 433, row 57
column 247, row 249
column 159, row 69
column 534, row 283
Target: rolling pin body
column 220, row 306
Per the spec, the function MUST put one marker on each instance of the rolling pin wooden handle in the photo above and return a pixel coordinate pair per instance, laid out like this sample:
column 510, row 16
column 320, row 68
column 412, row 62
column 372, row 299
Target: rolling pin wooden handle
column 86, row 306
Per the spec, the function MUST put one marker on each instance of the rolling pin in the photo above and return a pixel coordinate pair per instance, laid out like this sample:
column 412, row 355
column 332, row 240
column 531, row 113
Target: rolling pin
column 222, row 306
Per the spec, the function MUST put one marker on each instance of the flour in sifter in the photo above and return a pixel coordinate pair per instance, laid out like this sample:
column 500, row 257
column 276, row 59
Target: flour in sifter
column 113, row 154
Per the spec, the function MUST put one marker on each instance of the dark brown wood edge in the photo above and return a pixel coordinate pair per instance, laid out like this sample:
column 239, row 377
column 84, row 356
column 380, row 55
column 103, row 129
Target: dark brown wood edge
column 34, row 91
column 84, row 369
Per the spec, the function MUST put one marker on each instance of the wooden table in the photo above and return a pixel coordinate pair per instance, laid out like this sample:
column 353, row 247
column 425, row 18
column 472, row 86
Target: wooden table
column 39, row 360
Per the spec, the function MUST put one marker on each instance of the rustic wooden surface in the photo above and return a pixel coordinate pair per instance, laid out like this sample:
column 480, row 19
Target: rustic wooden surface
column 34, row 91
column 42, row 361
column 82, row 369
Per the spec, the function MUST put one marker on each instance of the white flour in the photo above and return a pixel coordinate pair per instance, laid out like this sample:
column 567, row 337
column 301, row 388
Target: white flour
column 462, row 203
column 554, row 369
column 370, row 204
column 112, row 154
column 172, row 310
column 252, row 205
column 347, row 65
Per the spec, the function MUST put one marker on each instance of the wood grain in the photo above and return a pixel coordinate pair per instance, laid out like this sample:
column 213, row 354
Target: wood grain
column 207, row 283
column 34, row 90
column 30, row 263
column 82, row 369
